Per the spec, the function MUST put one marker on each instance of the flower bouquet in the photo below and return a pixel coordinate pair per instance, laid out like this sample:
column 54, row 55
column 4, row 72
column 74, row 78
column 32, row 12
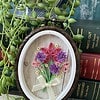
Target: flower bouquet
column 51, row 62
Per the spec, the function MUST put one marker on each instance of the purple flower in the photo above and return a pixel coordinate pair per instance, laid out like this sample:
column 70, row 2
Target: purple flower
column 41, row 56
column 61, row 56
column 54, row 69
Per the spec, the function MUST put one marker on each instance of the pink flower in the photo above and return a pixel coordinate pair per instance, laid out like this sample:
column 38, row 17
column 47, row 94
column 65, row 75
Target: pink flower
column 51, row 52
column 65, row 67
column 35, row 64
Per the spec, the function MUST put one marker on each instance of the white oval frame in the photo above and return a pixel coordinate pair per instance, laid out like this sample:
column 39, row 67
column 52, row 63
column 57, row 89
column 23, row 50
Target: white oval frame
column 21, row 61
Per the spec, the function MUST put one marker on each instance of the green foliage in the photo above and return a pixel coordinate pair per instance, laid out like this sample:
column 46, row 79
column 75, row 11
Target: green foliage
column 14, row 29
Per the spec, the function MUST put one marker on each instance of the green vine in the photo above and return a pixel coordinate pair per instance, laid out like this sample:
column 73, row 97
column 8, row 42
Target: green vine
column 14, row 29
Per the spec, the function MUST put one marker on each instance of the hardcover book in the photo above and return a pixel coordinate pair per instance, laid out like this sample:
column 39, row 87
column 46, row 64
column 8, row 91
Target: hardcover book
column 91, row 32
column 90, row 66
column 89, row 90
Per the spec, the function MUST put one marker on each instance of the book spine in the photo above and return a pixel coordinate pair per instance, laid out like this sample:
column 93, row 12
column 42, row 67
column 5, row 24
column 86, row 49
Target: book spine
column 89, row 90
column 90, row 66
column 91, row 32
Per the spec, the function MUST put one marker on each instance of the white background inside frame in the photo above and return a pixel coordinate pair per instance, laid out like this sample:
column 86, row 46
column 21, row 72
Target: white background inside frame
column 29, row 74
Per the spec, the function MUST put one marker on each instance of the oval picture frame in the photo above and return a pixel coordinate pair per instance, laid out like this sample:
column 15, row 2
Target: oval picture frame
column 26, row 75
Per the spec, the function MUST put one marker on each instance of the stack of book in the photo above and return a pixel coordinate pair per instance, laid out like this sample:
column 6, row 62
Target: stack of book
column 88, row 87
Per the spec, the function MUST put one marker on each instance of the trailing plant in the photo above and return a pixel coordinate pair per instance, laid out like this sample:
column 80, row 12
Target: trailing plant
column 14, row 28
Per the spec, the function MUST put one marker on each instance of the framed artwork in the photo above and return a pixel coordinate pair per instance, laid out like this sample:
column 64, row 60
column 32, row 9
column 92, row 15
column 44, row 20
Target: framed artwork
column 48, row 64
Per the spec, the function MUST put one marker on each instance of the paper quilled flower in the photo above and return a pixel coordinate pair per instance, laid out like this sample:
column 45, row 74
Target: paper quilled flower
column 51, row 61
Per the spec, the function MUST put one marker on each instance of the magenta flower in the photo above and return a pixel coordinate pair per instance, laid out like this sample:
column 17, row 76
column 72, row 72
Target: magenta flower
column 54, row 69
column 61, row 56
column 41, row 56
column 51, row 52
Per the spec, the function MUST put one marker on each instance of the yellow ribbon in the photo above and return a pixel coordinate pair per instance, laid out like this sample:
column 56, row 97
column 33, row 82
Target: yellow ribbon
column 49, row 85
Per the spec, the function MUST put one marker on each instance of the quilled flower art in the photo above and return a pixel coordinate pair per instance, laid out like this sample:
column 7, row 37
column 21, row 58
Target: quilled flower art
column 50, row 62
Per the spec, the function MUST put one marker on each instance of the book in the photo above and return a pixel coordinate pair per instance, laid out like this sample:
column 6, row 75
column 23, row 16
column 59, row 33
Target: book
column 88, row 10
column 88, row 90
column 91, row 31
column 90, row 66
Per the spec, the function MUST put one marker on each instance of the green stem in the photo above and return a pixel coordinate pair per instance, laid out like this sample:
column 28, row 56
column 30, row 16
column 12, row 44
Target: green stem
column 70, row 11
column 71, row 30
column 46, row 74
column 14, row 14
column 54, row 5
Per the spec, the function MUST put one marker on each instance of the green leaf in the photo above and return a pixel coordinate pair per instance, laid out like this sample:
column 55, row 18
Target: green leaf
column 0, row 2
column 65, row 25
column 13, row 0
column 34, row 14
column 7, row 23
column 1, row 63
column 78, row 37
column 12, row 62
column 47, row 15
column 24, row 28
column 30, row 5
column 51, row 1
column 71, row 20
column 80, row 50
column 61, row 17
column 16, row 22
column 57, row 11
column 12, row 48
column 77, row 3
column 10, row 57
column 72, row 12
column 27, row 17
column 8, row 34
column 8, row 81
column 41, row 5
column 4, row 81
column 9, row 15
column 34, row 23
column 64, row 13
column 2, row 90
